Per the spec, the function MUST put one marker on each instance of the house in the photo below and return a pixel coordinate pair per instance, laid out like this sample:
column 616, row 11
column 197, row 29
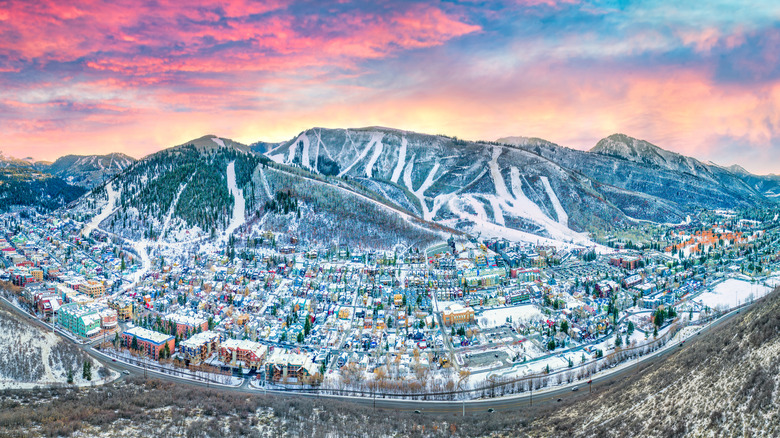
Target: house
column 187, row 323
column 92, row 288
column 80, row 320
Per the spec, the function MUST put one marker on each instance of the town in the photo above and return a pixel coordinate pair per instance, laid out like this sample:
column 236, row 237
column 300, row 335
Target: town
column 266, row 311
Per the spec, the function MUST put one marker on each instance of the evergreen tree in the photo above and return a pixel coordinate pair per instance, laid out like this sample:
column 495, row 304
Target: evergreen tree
column 87, row 371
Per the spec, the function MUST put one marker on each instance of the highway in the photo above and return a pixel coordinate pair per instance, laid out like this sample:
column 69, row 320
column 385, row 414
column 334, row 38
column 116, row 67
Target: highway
column 522, row 401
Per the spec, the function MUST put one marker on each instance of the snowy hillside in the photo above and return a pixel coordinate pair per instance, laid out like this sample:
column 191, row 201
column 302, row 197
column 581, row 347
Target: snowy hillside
column 185, row 193
column 31, row 356
column 89, row 170
column 647, row 182
column 480, row 188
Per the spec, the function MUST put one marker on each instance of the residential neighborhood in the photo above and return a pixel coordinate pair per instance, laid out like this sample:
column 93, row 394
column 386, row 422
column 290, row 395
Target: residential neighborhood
column 450, row 316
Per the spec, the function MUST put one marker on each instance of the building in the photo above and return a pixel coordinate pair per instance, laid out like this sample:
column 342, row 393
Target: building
column 199, row 347
column 123, row 308
column 187, row 323
column 457, row 314
column 108, row 319
column 80, row 320
column 149, row 342
column 233, row 352
column 283, row 366
column 92, row 288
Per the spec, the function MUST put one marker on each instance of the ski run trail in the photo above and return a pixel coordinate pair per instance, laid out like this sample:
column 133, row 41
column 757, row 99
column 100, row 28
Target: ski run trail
column 376, row 137
column 563, row 218
column 109, row 208
column 239, row 205
column 516, row 204
column 171, row 209
column 399, row 167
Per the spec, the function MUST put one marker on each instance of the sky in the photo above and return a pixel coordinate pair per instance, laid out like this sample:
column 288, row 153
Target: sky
column 126, row 76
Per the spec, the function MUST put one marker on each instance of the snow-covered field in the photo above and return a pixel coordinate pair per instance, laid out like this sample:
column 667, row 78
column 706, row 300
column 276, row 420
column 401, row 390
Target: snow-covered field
column 732, row 293
column 496, row 317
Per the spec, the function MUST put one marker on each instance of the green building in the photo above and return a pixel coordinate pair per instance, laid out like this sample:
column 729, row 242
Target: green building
column 80, row 320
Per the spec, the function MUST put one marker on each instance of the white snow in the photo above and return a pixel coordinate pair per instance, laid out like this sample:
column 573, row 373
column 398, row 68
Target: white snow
column 304, row 140
column 731, row 293
column 107, row 210
column 496, row 317
column 399, row 167
column 218, row 141
column 378, row 146
column 146, row 263
column 239, row 205
column 265, row 184
column 563, row 218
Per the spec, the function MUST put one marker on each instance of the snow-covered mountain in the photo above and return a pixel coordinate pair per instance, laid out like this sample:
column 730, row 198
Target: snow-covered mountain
column 519, row 185
column 88, row 170
column 324, row 184
column 211, row 187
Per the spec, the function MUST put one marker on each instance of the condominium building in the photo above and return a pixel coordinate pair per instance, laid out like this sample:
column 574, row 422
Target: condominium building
column 199, row 347
column 149, row 342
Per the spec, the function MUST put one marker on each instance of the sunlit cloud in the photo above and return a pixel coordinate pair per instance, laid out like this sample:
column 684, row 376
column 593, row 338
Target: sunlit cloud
column 94, row 76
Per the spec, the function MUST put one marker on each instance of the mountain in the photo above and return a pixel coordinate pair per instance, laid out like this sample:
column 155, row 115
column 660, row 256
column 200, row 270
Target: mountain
column 520, row 188
column 684, row 184
column 88, row 170
column 640, row 151
column 324, row 184
column 211, row 187
column 25, row 186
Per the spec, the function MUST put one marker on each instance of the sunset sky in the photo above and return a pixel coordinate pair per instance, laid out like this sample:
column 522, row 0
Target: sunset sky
column 699, row 78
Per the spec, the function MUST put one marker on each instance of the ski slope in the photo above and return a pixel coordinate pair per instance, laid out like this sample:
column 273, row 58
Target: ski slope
column 239, row 204
column 378, row 146
column 563, row 218
column 109, row 208
column 399, row 167
column 172, row 208
column 375, row 137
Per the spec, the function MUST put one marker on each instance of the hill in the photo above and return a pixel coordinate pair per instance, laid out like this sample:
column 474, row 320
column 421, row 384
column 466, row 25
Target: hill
column 723, row 384
column 32, row 357
column 25, row 186
column 210, row 187
column 519, row 187
column 88, row 170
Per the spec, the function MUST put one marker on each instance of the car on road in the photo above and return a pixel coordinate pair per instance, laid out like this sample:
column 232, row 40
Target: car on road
column 113, row 360
column 575, row 389
column 125, row 372
column 491, row 410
